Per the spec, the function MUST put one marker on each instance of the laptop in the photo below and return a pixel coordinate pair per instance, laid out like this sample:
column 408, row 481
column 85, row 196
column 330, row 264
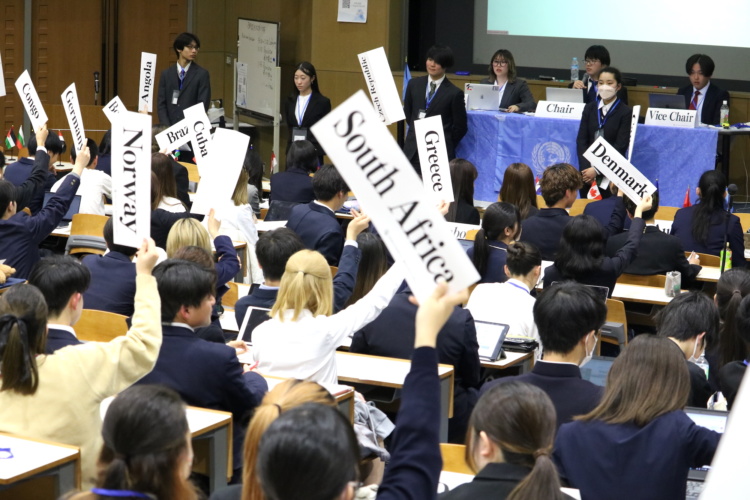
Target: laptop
column 558, row 94
column 481, row 96
column 666, row 101
column 601, row 291
column 279, row 210
column 710, row 419
column 490, row 337
column 596, row 370
column 466, row 244
column 74, row 208
column 253, row 317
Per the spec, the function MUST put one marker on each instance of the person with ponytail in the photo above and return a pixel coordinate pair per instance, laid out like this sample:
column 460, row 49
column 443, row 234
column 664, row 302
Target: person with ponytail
column 501, row 225
column 147, row 450
column 638, row 442
column 732, row 287
column 508, row 446
column 707, row 227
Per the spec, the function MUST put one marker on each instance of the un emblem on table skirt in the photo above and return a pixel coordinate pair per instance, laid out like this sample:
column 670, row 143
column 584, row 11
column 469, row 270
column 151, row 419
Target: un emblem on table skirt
column 548, row 153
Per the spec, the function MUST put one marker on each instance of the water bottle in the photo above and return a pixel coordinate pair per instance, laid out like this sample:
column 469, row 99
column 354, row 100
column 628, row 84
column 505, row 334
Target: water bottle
column 574, row 72
column 703, row 364
column 725, row 257
column 724, row 113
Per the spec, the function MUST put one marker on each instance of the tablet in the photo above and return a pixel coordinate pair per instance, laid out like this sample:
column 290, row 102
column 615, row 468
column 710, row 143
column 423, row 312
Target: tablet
column 490, row 337
column 596, row 370
column 253, row 317
column 710, row 419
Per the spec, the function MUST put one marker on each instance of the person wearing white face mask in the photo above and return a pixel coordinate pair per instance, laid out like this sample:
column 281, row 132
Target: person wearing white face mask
column 568, row 316
column 691, row 320
column 609, row 117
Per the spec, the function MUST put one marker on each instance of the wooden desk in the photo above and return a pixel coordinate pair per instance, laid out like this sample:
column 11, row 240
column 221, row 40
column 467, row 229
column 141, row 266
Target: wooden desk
column 638, row 293
column 262, row 226
column 35, row 458
column 343, row 394
column 391, row 372
column 524, row 360
column 211, row 431
column 710, row 274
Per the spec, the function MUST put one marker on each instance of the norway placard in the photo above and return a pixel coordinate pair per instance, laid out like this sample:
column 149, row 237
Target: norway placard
column 384, row 181
column 147, row 82
column 113, row 108
column 381, row 86
column 73, row 113
column 433, row 158
column 31, row 101
column 607, row 160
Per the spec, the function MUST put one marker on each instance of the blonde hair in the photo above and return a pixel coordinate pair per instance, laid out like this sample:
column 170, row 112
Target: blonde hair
column 239, row 197
column 187, row 232
column 285, row 396
column 306, row 284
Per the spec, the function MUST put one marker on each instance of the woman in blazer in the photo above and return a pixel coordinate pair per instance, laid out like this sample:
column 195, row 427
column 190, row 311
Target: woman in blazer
column 515, row 95
column 305, row 107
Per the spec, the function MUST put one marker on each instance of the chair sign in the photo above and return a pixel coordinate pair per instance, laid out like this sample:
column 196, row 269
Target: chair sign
column 566, row 110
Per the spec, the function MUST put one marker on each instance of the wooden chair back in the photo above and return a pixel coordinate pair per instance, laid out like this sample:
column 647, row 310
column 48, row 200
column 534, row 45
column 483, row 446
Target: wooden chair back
column 656, row 280
column 454, row 458
column 91, row 227
column 666, row 213
column 334, row 270
column 578, row 206
column 230, row 298
column 707, row 259
column 616, row 314
column 263, row 212
column 540, row 203
column 471, row 234
column 192, row 169
column 100, row 326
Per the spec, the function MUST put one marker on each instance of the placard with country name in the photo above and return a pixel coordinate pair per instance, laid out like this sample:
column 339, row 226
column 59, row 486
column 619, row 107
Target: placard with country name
column 31, row 102
column 147, row 82
column 608, row 161
column 381, row 86
column 113, row 108
column 433, row 158
column 73, row 113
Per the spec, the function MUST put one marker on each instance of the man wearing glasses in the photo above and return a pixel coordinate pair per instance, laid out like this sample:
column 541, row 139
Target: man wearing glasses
column 185, row 85
column 596, row 59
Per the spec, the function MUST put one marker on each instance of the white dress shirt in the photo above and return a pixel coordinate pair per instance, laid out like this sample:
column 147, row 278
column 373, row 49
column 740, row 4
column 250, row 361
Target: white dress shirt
column 171, row 205
column 701, row 98
column 94, row 184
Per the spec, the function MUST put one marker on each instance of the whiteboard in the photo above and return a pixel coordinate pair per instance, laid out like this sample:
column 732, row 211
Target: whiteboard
column 258, row 49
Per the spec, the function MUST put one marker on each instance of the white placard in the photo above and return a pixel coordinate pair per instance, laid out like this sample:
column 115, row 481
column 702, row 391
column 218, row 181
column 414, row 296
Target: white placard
column 147, row 82
column 227, row 156
column 607, row 160
column 113, row 108
column 200, row 129
column 175, row 136
column 633, row 128
column 381, row 86
column 459, row 230
column 385, row 183
column 433, row 158
column 131, row 178
column 665, row 117
column 2, row 78
column 352, row 11
column 75, row 119
column 31, row 101
column 554, row 109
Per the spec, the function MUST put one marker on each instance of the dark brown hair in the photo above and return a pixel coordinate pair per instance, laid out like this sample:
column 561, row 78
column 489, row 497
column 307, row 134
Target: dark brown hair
column 372, row 265
column 166, row 184
column 557, row 179
column 511, row 65
column 732, row 287
column 519, row 188
column 463, row 175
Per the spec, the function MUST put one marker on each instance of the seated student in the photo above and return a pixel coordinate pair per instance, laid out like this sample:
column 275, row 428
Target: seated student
column 638, row 442
column 707, row 227
column 147, row 451
column 596, row 59
column 373, row 264
column 162, row 220
column 205, row 374
column 62, row 281
column 602, row 209
column 316, row 222
column 463, row 175
column 57, row 397
column 691, row 320
column 166, row 187
column 105, row 154
column 391, row 334
column 95, row 184
column 20, row 234
column 112, row 285
column 501, row 226
column 315, row 444
column 568, row 316
column 560, row 184
column 515, row 95
column 658, row 252
column 702, row 95
column 295, row 184
column 40, row 177
column 731, row 374
column 511, row 303
column 254, row 167
column 17, row 172
column 581, row 254
column 180, row 171
column 518, row 188
column 509, row 446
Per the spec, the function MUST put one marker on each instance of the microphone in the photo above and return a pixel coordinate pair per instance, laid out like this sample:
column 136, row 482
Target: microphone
column 732, row 189
column 96, row 82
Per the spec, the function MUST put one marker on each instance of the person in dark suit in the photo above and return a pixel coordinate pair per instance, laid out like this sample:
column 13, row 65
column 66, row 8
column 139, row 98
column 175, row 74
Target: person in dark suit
column 185, row 85
column 707, row 227
column 19, row 172
column 607, row 116
column 315, row 222
column 603, row 209
column 63, row 281
column 433, row 95
column 501, row 226
column 463, row 175
column 702, row 95
column 295, row 183
column 596, row 59
column 515, row 96
column 392, row 335
column 112, row 286
column 305, row 107
column 691, row 320
column 205, row 374
column 641, row 416
column 568, row 316
column 658, row 252
column 105, row 154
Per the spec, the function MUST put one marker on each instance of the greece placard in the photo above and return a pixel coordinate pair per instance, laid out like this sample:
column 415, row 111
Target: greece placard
column 433, row 158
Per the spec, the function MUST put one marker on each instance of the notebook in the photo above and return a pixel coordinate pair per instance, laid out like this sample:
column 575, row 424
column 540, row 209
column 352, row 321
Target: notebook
column 710, row 419
column 253, row 317
column 74, row 208
column 481, row 96
column 596, row 370
column 490, row 337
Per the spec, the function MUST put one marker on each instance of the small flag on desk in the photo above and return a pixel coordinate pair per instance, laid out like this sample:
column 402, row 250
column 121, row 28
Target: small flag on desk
column 687, row 203
column 274, row 162
column 594, row 193
column 537, row 185
column 20, row 141
column 59, row 134
column 9, row 142
column 407, row 77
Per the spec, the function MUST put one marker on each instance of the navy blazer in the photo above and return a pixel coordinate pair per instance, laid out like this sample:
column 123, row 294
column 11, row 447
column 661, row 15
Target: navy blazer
column 227, row 266
column 448, row 102
column 730, row 378
column 318, row 229
column 317, row 107
column 294, row 185
column 616, row 130
column 21, row 234
column 682, row 227
column 104, row 163
column 495, row 272
column 624, row 461
column 516, row 93
column 392, row 333
column 31, row 178
column 466, row 213
column 196, row 87
column 162, row 222
column 570, row 394
column 112, row 287
column 602, row 210
column 715, row 96
column 57, row 339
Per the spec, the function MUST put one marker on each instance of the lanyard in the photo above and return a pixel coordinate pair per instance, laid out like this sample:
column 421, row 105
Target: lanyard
column 427, row 95
column 599, row 114
column 518, row 286
column 120, row 493
column 301, row 114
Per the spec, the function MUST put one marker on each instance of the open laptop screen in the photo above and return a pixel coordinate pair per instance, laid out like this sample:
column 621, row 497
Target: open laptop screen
column 710, row 419
column 73, row 209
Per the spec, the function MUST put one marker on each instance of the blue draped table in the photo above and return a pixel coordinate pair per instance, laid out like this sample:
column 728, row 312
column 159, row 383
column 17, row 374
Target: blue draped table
column 676, row 157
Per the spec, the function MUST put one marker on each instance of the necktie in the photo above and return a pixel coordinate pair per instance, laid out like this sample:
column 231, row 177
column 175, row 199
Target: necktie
column 432, row 90
column 182, row 77
column 694, row 102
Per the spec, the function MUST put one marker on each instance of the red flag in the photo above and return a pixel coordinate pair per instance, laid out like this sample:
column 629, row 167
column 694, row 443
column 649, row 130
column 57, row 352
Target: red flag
column 687, row 203
column 59, row 134
column 274, row 162
column 594, row 193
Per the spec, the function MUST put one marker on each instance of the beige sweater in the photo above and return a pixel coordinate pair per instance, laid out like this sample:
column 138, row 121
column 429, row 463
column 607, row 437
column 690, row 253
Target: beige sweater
column 74, row 381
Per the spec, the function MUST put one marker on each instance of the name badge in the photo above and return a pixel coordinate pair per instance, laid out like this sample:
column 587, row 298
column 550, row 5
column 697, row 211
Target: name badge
column 299, row 134
column 422, row 114
column 175, row 96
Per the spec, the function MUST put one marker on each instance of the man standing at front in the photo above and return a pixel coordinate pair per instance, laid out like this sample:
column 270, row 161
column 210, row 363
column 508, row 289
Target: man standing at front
column 183, row 86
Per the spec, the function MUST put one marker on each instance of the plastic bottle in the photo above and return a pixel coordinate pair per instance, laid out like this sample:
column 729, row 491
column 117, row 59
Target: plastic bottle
column 724, row 114
column 574, row 71
column 726, row 257
column 703, row 364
